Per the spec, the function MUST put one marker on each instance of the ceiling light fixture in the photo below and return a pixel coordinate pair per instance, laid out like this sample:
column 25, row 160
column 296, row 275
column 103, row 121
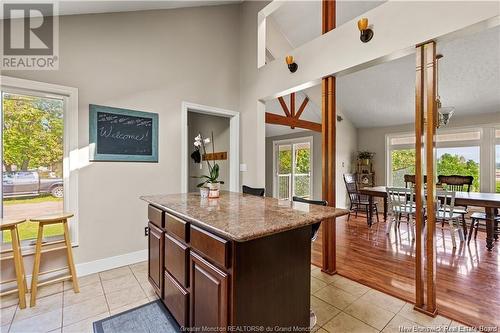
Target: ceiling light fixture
column 292, row 66
column 366, row 33
column 444, row 113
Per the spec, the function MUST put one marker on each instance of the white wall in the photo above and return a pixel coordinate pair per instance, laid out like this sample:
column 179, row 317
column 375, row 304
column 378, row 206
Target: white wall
column 206, row 124
column 373, row 139
column 149, row 61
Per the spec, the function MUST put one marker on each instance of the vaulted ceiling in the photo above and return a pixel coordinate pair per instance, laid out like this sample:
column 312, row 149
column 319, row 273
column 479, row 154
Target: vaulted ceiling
column 383, row 95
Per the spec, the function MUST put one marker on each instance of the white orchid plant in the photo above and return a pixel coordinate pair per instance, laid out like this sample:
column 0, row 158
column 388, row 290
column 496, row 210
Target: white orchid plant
column 213, row 169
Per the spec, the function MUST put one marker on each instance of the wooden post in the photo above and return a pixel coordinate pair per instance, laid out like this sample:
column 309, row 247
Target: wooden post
column 419, row 179
column 329, row 118
column 426, row 120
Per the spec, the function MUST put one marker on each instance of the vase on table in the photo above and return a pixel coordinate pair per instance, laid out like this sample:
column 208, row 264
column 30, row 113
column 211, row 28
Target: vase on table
column 214, row 190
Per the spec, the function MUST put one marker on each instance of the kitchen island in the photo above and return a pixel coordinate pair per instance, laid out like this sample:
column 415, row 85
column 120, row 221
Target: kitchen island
column 233, row 262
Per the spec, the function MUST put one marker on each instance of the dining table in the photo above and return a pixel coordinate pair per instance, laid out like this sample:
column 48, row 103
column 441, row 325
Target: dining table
column 489, row 201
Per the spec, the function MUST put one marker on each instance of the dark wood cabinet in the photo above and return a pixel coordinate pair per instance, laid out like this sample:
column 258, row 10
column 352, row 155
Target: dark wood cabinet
column 155, row 257
column 208, row 281
column 176, row 299
column 209, row 294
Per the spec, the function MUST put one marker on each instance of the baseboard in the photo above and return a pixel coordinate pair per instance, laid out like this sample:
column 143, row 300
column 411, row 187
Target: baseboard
column 105, row 264
column 91, row 267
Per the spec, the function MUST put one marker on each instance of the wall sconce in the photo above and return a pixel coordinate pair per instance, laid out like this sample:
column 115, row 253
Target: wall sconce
column 366, row 33
column 291, row 65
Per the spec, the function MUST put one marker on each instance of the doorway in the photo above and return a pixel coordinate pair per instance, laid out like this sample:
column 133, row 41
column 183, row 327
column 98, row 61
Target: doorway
column 233, row 155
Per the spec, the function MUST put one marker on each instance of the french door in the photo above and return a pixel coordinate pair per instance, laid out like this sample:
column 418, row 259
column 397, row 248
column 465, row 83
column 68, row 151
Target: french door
column 293, row 168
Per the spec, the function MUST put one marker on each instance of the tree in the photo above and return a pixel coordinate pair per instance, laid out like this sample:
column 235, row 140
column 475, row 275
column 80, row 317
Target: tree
column 32, row 132
column 403, row 162
column 449, row 164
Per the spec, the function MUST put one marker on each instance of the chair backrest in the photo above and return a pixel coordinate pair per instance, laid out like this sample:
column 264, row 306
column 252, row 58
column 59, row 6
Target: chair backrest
column 410, row 180
column 254, row 191
column 400, row 199
column 446, row 201
column 315, row 226
column 352, row 187
column 456, row 182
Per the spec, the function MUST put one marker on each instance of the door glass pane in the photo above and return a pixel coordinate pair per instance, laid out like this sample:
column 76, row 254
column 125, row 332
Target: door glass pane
column 462, row 161
column 402, row 163
column 32, row 168
column 497, row 168
column 302, row 171
column 284, row 168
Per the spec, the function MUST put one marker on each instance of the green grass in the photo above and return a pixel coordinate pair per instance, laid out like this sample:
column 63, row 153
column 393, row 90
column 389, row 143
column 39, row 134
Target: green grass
column 498, row 186
column 29, row 230
column 38, row 199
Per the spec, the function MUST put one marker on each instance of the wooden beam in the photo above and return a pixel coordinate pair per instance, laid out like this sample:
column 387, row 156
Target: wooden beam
column 328, row 111
column 419, row 179
column 276, row 119
column 283, row 106
column 292, row 106
column 425, row 131
column 430, row 154
column 302, row 107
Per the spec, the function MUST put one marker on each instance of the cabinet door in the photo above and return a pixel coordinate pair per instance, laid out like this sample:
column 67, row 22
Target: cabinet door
column 209, row 294
column 155, row 258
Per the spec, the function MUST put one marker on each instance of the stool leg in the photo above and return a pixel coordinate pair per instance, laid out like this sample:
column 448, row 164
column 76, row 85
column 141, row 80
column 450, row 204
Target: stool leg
column 22, row 261
column 18, row 267
column 71, row 263
column 36, row 265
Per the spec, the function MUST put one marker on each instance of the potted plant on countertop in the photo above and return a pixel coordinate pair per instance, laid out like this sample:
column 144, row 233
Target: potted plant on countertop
column 210, row 187
column 365, row 157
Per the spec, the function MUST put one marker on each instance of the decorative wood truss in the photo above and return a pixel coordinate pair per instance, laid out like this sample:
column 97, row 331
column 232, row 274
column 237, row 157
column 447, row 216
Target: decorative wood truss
column 291, row 117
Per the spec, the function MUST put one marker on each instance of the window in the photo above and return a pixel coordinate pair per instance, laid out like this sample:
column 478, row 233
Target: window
column 32, row 150
column 462, row 161
column 39, row 148
column 497, row 161
column 402, row 163
column 458, row 153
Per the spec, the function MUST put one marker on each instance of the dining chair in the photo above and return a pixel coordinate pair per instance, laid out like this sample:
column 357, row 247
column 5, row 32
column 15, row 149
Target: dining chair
column 457, row 183
column 358, row 202
column 479, row 220
column 446, row 214
column 400, row 202
column 410, row 180
column 253, row 190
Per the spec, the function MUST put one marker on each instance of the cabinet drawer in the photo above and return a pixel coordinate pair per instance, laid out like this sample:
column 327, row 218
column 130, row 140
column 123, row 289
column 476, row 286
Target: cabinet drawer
column 176, row 259
column 210, row 245
column 176, row 299
column 177, row 227
column 156, row 216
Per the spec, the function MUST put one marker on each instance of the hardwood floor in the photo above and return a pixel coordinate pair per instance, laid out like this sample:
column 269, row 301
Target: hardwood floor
column 468, row 277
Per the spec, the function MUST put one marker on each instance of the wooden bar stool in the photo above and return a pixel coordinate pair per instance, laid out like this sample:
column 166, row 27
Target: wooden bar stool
column 43, row 221
column 11, row 225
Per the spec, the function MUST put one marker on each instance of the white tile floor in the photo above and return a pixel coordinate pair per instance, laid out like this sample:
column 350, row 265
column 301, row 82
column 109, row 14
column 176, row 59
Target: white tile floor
column 341, row 305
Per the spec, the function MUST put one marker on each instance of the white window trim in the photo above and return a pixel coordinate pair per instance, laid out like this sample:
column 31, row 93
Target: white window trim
column 303, row 139
column 486, row 151
column 71, row 151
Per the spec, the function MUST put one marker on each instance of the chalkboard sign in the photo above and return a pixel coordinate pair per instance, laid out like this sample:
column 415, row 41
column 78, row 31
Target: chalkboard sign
column 122, row 135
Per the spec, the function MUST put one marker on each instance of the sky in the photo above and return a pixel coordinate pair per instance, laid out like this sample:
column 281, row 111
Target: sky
column 470, row 153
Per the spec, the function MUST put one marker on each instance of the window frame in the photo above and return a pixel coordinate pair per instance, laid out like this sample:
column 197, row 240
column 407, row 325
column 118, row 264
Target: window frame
column 70, row 141
column 486, row 144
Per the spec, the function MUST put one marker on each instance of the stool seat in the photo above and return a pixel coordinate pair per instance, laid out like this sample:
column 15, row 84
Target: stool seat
column 50, row 218
column 43, row 221
column 9, row 223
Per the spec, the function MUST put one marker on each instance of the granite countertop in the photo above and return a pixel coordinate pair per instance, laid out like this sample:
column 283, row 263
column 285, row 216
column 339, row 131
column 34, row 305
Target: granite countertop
column 242, row 217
